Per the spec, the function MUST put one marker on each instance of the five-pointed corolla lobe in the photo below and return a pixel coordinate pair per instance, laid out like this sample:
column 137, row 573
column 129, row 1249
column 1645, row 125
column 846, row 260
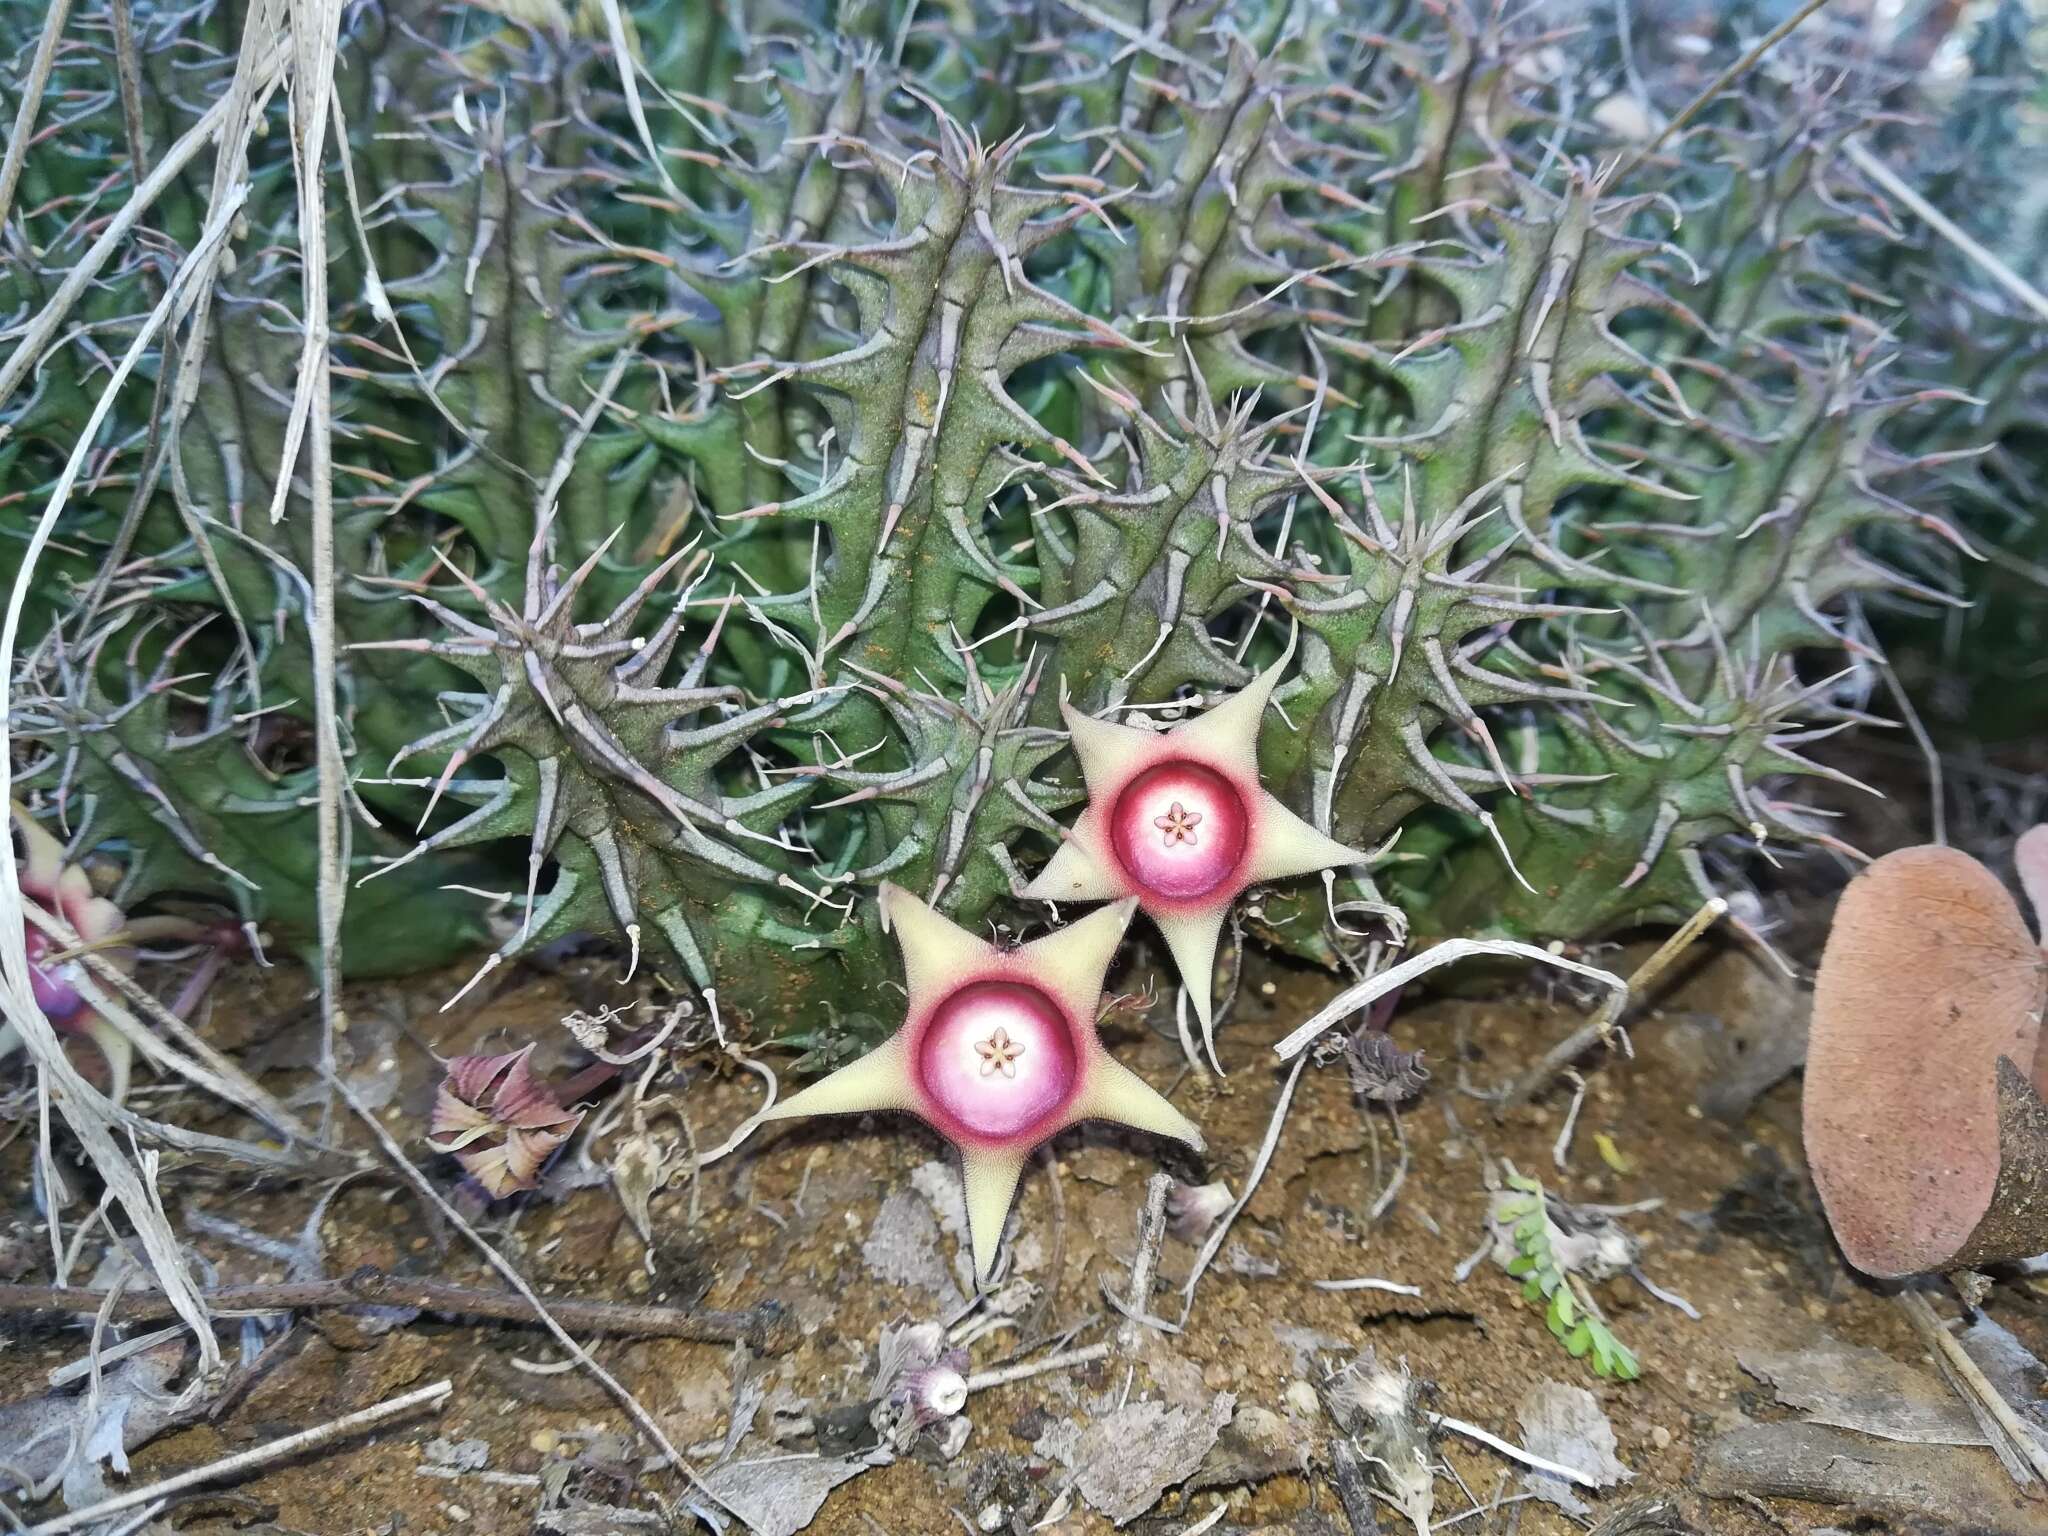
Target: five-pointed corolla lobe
column 998, row 1052
column 1178, row 821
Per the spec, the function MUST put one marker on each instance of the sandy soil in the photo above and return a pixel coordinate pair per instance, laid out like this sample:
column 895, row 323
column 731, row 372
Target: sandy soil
column 791, row 1219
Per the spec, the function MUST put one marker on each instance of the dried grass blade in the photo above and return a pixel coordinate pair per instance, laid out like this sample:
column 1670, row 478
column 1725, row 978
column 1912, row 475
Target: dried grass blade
column 90, row 1116
column 31, row 103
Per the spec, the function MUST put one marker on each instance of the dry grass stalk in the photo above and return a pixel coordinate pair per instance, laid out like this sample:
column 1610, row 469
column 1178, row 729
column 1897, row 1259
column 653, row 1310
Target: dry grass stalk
column 243, row 1461
column 91, row 1118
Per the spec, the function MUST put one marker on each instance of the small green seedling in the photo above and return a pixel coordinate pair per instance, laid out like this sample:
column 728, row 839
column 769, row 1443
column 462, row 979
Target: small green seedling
column 1569, row 1313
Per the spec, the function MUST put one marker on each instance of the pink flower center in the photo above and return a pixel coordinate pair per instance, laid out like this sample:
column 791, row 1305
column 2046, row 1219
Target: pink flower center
column 997, row 1059
column 1179, row 829
column 55, row 993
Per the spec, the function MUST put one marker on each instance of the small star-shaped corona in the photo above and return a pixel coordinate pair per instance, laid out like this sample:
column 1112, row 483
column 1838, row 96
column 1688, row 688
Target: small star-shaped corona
column 1178, row 824
column 997, row 1053
column 1203, row 773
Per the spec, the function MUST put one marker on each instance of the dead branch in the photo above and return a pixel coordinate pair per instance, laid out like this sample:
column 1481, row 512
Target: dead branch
column 767, row 1329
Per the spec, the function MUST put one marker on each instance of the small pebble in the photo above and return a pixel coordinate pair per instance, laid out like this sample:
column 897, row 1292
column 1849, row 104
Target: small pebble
column 991, row 1517
column 457, row 1513
column 544, row 1441
column 1301, row 1400
column 1660, row 1437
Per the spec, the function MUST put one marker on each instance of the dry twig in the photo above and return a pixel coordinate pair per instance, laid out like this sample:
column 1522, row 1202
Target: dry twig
column 1978, row 1391
column 1601, row 1027
column 242, row 1461
column 766, row 1329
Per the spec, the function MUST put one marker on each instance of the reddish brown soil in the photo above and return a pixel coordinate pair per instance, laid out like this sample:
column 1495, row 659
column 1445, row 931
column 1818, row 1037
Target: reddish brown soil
column 786, row 1220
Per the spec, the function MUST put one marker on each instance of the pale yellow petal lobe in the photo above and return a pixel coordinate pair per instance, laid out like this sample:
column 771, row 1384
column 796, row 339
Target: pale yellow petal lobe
column 1228, row 735
column 879, row 1080
column 991, row 1181
column 1070, row 962
column 1075, row 872
column 1108, row 752
column 1286, row 845
column 1191, row 938
column 937, row 952
column 1114, row 1092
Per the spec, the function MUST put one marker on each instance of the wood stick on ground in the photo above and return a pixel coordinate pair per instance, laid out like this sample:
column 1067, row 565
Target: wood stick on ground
column 1447, row 952
column 1354, row 1488
column 1024, row 1370
column 1145, row 1265
column 1600, row 1027
column 767, row 1329
column 242, row 1461
column 1949, row 1350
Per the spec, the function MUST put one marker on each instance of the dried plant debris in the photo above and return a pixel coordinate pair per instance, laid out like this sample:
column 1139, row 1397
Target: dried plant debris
column 1192, row 1209
column 63, row 1439
column 1654, row 1514
column 903, row 1247
column 1125, row 1461
column 1256, row 1444
column 1850, row 1386
column 1380, row 1411
column 1564, row 1424
column 920, row 1384
column 2011, row 1368
column 1380, row 1071
column 1884, row 1438
column 1951, row 1488
column 781, row 1494
column 1304, row 1344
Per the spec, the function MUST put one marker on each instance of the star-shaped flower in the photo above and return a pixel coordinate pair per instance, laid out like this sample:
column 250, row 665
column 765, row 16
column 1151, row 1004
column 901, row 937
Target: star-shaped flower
column 997, row 1053
column 1204, row 773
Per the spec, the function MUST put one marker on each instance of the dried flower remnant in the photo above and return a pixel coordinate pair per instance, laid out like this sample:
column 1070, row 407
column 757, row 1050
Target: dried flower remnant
column 1927, row 1141
column 1381, row 1072
column 501, row 1122
column 1192, row 1209
column 1381, row 1411
column 1179, row 821
column 998, row 1053
column 936, row 1391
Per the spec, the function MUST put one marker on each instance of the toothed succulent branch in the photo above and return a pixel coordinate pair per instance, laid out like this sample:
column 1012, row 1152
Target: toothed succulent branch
column 832, row 483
